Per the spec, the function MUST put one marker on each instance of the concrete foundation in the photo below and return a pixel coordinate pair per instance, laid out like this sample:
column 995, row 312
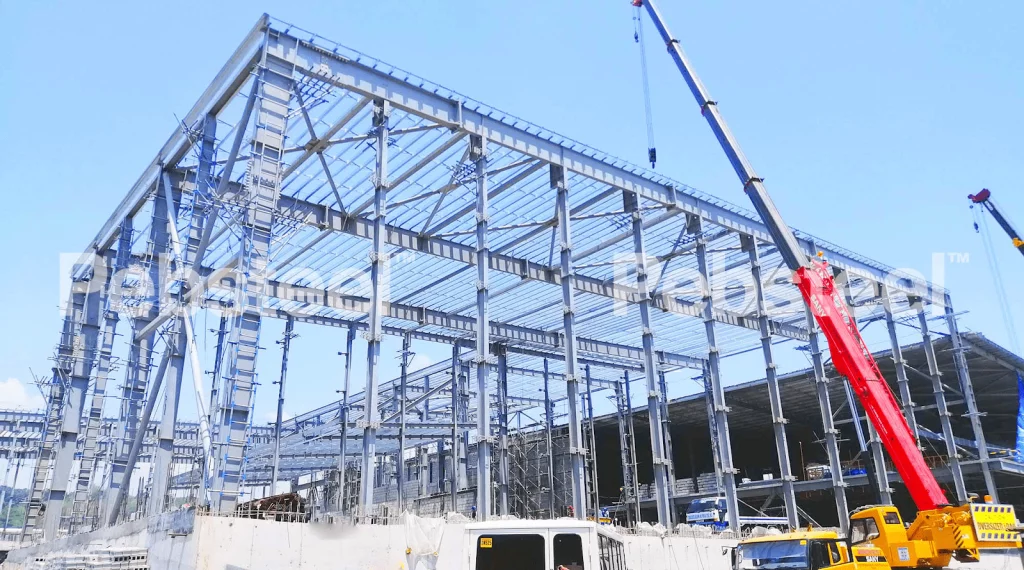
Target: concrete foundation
column 223, row 543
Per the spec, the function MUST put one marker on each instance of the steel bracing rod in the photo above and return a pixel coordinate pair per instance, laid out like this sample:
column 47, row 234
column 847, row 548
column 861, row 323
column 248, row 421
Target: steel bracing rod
column 140, row 352
column 967, row 388
column 329, row 220
column 217, row 95
column 660, row 462
column 492, row 193
column 213, row 409
column 360, row 79
column 782, row 236
column 549, row 421
column 319, row 152
column 875, row 447
column 420, row 164
column 286, row 345
column 183, row 337
column 114, row 511
column 952, row 454
column 835, row 464
column 899, row 363
column 478, row 154
column 225, row 175
column 774, row 395
column 378, row 273
column 577, row 453
column 343, row 410
column 503, row 460
column 402, row 411
column 592, row 455
column 719, row 408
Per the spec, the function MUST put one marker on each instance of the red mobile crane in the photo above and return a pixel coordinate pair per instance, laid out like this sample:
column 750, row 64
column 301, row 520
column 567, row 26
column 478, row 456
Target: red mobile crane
column 941, row 530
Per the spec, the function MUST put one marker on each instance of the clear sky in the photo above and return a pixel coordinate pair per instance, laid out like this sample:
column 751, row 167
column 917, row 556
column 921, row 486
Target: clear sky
column 870, row 121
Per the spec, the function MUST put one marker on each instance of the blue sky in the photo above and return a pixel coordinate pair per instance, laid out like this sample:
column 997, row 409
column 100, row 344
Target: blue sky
column 870, row 122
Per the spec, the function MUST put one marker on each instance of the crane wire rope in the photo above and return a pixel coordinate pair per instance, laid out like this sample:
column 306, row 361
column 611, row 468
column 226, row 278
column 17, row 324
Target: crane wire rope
column 981, row 227
column 638, row 38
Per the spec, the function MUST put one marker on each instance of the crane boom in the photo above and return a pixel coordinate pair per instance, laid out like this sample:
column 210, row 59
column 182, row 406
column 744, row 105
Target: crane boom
column 985, row 199
column 850, row 355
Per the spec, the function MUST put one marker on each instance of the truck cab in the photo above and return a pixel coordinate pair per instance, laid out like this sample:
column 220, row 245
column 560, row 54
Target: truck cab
column 565, row 544
column 807, row 550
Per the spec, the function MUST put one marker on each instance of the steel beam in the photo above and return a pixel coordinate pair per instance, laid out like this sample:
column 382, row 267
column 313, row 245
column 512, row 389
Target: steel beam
column 379, row 268
column 471, row 117
column 952, row 454
column 577, row 452
column 774, row 394
column 835, row 465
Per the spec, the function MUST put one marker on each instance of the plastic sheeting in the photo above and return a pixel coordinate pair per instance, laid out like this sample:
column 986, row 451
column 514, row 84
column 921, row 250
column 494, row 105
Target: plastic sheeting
column 1020, row 419
column 422, row 541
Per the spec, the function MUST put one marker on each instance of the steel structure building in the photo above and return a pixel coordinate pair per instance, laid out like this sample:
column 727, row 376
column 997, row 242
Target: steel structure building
column 318, row 185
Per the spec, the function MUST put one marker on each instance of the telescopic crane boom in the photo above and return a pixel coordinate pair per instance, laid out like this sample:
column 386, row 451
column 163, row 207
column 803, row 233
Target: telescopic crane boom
column 985, row 199
column 941, row 531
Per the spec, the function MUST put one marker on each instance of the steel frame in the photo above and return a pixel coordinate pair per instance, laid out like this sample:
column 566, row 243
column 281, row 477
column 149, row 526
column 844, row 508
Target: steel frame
column 315, row 242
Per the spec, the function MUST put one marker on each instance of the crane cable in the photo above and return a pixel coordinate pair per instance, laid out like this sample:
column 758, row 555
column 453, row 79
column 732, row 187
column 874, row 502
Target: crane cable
column 638, row 38
column 981, row 227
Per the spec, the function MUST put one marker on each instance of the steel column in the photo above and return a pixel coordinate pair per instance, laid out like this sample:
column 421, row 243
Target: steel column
column 577, row 452
column 163, row 456
column 631, row 204
column 625, row 453
column 666, row 427
column 343, row 410
column 549, row 422
column 835, row 465
column 260, row 197
column 456, row 405
column 379, row 268
column 774, row 395
column 478, row 154
column 952, row 454
column 137, row 439
column 967, row 387
column 899, row 363
column 632, row 442
column 213, row 407
column 79, row 350
column 503, row 463
column 592, row 443
column 877, row 451
column 286, row 344
column 403, row 402
column 721, row 411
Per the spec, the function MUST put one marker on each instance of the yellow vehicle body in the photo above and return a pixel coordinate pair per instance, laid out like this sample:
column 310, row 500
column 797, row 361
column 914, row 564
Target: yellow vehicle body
column 879, row 540
column 937, row 536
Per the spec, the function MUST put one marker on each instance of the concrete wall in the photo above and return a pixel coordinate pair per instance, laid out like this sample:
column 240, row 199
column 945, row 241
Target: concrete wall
column 168, row 550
